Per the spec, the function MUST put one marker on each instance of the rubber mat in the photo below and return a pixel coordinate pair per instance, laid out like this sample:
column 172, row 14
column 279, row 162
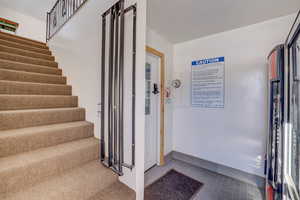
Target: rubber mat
column 173, row 186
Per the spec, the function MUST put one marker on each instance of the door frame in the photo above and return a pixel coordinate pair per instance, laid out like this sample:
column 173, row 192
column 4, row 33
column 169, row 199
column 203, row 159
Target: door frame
column 162, row 102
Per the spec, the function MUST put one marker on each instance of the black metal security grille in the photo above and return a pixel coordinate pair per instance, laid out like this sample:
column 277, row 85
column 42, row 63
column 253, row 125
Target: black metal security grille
column 61, row 12
column 114, row 26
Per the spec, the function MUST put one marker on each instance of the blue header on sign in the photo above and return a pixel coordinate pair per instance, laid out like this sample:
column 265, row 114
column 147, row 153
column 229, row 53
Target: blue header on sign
column 208, row 61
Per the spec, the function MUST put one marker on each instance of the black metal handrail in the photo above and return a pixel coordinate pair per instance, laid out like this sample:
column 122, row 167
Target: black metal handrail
column 61, row 13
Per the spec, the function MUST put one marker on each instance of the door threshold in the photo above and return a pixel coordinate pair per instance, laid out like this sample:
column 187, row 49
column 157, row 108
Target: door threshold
column 150, row 168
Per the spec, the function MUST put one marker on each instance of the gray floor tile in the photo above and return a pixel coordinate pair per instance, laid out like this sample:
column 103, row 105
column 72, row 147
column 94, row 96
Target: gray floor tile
column 216, row 186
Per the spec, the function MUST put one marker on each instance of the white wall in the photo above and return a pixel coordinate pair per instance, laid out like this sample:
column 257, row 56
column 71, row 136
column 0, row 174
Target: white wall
column 77, row 47
column 161, row 44
column 29, row 27
column 236, row 135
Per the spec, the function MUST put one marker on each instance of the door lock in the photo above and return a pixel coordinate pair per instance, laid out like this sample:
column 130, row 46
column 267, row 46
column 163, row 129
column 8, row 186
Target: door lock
column 155, row 89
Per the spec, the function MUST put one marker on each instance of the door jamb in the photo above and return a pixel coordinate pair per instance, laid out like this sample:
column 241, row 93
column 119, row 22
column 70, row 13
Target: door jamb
column 162, row 101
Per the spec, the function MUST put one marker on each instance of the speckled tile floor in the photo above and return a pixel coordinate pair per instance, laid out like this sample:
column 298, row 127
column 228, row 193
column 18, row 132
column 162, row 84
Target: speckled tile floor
column 216, row 186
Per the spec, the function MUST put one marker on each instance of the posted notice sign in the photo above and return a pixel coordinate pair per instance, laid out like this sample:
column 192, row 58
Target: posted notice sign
column 208, row 83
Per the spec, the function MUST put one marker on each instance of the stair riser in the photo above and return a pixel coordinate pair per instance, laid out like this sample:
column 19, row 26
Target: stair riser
column 14, row 144
column 22, row 102
column 25, row 47
column 31, row 77
column 7, row 87
column 72, row 185
column 15, row 179
column 29, row 68
column 115, row 191
column 22, row 59
column 26, row 53
column 10, row 120
column 22, row 41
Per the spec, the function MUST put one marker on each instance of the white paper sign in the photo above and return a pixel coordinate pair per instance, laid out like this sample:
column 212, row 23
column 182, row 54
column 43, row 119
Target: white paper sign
column 208, row 83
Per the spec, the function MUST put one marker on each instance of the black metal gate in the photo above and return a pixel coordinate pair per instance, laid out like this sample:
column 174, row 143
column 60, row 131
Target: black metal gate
column 112, row 86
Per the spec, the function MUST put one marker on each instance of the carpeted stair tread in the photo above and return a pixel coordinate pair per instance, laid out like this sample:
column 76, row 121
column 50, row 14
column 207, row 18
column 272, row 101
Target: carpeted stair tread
column 28, row 139
column 27, row 53
column 27, row 60
column 16, row 87
column 116, row 191
column 13, row 75
column 12, row 65
column 25, row 47
column 22, row 40
column 28, row 118
column 80, row 183
column 22, row 102
column 23, row 170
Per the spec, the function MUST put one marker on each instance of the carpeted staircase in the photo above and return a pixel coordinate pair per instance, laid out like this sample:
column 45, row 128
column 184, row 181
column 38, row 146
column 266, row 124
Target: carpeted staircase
column 47, row 149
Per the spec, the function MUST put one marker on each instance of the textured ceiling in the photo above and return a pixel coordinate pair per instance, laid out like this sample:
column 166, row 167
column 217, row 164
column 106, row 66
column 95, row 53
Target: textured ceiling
column 182, row 20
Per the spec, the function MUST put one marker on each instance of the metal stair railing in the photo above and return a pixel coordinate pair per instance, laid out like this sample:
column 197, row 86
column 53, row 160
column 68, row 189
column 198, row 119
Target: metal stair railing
column 112, row 83
column 61, row 13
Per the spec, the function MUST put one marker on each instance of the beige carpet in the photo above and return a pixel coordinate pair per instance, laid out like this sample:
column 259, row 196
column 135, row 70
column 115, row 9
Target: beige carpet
column 47, row 149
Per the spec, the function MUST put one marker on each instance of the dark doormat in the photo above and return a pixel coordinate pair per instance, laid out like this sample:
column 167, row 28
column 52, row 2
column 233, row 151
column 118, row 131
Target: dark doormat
column 172, row 186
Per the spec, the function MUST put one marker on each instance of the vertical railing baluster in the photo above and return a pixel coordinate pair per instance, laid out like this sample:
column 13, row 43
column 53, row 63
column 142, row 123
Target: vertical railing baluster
column 68, row 8
column 110, row 106
column 133, row 86
column 116, row 86
column 59, row 12
column 103, row 54
column 74, row 6
column 47, row 23
column 121, row 85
